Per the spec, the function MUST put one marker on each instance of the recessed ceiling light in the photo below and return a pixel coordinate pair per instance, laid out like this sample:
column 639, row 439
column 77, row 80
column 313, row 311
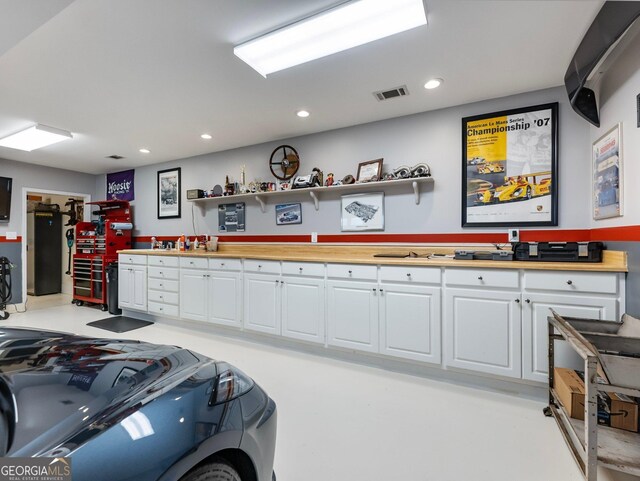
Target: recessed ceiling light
column 346, row 26
column 433, row 83
column 205, row 137
column 145, row 151
column 302, row 113
column 35, row 137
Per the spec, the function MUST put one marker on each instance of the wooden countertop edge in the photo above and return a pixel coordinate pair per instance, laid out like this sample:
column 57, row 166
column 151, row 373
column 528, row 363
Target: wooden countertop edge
column 613, row 261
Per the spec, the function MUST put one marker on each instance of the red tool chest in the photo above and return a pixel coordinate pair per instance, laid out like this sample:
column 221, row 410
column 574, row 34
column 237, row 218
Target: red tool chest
column 97, row 244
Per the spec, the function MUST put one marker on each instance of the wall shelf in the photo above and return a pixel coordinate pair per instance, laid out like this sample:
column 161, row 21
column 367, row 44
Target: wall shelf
column 315, row 193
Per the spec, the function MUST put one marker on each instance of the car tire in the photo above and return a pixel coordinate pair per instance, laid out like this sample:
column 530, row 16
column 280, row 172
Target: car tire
column 217, row 471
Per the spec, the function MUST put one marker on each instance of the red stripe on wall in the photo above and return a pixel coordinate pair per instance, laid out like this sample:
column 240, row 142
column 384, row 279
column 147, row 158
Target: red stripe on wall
column 619, row 234
column 4, row 239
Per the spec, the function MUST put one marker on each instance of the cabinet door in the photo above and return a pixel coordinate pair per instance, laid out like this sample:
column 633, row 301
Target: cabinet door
column 125, row 286
column 139, row 298
column 225, row 298
column 410, row 322
column 262, row 303
column 535, row 360
column 482, row 331
column 193, row 294
column 303, row 308
column 352, row 311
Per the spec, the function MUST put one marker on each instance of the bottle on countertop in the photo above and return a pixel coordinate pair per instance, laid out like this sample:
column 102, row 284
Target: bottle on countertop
column 153, row 243
column 187, row 244
column 182, row 241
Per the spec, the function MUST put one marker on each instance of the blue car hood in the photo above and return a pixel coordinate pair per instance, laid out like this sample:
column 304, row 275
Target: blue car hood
column 67, row 388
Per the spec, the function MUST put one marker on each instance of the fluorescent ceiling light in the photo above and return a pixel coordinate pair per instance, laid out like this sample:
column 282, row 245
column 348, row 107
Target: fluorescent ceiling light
column 34, row 138
column 341, row 28
column 434, row 83
column 206, row 136
column 302, row 113
column 145, row 151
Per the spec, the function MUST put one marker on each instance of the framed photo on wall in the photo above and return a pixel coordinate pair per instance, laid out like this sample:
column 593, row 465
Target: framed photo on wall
column 169, row 193
column 509, row 168
column 606, row 161
column 362, row 212
column 288, row 214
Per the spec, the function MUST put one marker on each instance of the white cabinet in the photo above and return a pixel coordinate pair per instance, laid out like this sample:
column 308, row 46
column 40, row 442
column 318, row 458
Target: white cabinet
column 534, row 328
column 164, row 286
column 225, row 298
column 482, row 331
column 193, row 294
column 303, row 314
column 352, row 310
column 410, row 321
column 132, row 286
column 262, row 302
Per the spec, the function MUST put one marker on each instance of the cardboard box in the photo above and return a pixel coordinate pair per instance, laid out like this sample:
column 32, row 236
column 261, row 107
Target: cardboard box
column 570, row 390
column 615, row 410
column 623, row 411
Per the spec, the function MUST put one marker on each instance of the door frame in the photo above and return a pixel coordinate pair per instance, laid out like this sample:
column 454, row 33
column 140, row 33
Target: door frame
column 86, row 198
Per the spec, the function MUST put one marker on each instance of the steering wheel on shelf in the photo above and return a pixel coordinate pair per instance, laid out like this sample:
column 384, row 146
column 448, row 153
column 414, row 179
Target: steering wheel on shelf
column 284, row 162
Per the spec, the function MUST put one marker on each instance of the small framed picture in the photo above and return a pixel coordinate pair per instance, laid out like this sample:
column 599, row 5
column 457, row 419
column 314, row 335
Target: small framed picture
column 361, row 212
column 169, row 193
column 607, row 174
column 369, row 171
column 288, row 214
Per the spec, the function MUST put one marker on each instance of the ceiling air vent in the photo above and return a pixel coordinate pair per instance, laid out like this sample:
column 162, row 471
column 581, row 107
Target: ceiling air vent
column 114, row 157
column 391, row 93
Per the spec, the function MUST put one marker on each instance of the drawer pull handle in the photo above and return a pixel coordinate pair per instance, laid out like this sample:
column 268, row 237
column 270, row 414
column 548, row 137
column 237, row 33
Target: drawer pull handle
column 161, row 285
column 300, row 269
column 259, row 266
column 408, row 274
column 277, row 282
column 350, row 272
column 161, row 297
column 479, row 278
column 569, row 282
column 381, row 291
column 191, row 262
column 222, row 264
column 517, row 301
column 528, row 301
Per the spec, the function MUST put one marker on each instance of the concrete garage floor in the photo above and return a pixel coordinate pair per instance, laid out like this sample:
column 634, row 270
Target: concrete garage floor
column 343, row 421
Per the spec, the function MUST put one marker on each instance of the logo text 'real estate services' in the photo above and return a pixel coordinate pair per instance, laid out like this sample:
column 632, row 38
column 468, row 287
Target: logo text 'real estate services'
column 35, row 469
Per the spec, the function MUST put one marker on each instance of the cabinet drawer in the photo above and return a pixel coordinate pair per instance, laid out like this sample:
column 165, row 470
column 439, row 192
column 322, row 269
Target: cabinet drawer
column 163, row 297
column 163, row 309
column 225, row 264
column 164, row 285
column 303, row 269
column 265, row 267
column 132, row 259
column 572, row 281
column 194, row 262
column 164, row 272
column 427, row 275
column 348, row 271
column 163, row 261
column 483, row 278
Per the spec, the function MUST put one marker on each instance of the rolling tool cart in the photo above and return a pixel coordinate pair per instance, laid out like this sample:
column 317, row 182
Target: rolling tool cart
column 97, row 245
column 611, row 365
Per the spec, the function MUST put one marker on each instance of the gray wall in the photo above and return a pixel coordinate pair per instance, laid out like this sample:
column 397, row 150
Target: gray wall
column 431, row 137
column 36, row 177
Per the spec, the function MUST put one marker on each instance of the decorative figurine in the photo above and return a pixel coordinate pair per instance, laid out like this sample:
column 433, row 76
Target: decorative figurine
column 329, row 181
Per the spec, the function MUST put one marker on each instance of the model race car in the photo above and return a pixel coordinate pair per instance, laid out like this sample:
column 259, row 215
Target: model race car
column 490, row 168
column 129, row 410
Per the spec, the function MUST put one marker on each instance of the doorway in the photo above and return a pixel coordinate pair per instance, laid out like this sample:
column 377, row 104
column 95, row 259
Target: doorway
column 46, row 269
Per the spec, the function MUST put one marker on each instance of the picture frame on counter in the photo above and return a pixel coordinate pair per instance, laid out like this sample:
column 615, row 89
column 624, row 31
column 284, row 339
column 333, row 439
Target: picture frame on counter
column 509, row 168
column 362, row 212
column 287, row 214
column 369, row 171
column 606, row 161
column 169, row 193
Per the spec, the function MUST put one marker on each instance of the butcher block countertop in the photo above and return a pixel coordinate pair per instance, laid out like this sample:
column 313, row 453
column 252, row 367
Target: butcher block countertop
column 613, row 261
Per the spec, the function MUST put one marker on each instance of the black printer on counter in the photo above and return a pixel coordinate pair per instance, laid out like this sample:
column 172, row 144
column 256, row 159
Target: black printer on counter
column 558, row 251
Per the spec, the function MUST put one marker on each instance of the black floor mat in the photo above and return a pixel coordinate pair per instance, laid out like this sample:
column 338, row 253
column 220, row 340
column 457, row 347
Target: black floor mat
column 119, row 324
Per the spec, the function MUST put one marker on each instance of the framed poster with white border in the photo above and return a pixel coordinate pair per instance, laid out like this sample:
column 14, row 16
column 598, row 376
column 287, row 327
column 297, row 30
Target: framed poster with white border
column 606, row 162
column 362, row 212
column 510, row 168
column 169, row 194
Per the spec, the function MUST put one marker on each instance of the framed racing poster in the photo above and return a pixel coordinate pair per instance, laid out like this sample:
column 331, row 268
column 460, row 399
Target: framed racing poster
column 509, row 168
column 607, row 175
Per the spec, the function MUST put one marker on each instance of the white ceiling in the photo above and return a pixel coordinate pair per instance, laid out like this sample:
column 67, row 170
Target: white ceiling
column 126, row 74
